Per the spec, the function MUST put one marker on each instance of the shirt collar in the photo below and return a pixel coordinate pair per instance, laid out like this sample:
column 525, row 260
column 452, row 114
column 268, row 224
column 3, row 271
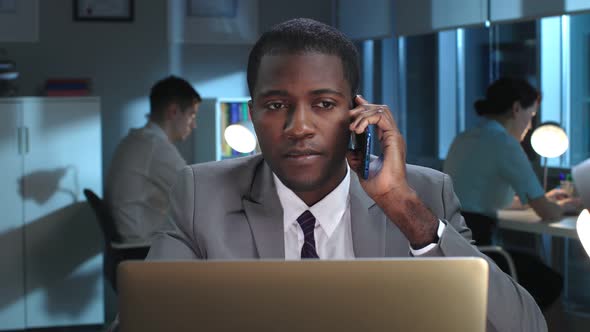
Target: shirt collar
column 328, row 212
column 493, row 125
column 156, row 130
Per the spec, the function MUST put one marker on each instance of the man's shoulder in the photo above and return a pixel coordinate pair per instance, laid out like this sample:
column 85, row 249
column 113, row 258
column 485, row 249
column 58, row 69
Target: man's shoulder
column 420, row 177
column 231, row 178
column 138, row 140
column 423, row 171
column 228, row 169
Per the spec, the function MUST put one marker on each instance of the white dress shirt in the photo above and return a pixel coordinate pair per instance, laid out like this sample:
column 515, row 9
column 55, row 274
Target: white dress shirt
column 333, row 235
column 144, row 167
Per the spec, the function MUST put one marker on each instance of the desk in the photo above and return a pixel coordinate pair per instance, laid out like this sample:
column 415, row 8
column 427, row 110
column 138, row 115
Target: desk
column 528, row 221
column 574, row 267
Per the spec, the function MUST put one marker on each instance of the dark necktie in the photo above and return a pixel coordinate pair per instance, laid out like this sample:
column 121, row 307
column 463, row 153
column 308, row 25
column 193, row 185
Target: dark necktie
column 307, row 222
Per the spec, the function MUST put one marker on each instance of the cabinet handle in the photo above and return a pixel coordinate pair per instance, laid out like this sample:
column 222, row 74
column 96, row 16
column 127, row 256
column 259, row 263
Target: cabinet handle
column 19, row 138
column 27, row 147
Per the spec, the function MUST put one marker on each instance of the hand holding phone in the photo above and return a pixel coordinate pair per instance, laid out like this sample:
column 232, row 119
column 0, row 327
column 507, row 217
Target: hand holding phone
column 362, row 145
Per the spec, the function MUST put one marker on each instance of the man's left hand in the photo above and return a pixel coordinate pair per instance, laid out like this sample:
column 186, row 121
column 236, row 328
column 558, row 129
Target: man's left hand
column 389, row 187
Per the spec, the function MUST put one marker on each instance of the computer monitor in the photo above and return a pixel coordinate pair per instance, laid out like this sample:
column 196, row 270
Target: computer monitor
column 419, row 294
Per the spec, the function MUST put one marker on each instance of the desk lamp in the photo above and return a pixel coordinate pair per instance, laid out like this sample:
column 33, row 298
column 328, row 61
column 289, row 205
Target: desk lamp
column 583, row 228
column 241, row 136
column 549, row 140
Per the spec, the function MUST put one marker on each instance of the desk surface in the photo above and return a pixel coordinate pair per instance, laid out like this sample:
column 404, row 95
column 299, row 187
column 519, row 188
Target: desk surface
column 528, row 221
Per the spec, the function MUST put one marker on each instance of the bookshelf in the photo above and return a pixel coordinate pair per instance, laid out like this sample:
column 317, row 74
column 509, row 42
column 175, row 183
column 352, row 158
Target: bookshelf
column 229, row 111
column 207, row 142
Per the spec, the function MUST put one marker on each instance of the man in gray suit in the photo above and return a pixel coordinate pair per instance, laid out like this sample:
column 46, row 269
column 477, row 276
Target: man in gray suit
column 300, row 199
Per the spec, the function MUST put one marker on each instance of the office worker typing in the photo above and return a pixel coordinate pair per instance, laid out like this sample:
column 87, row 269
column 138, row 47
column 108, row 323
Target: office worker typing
column 300, row 199
column 491, row 171
column 487, row 163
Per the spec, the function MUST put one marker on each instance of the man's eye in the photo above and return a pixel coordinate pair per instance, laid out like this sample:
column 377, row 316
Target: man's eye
column 275, row 106
column 327, row 105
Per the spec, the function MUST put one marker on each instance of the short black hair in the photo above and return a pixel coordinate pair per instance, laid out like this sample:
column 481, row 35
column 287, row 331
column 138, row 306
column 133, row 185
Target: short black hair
column 171, row 89
column 501, row 95
column 303, row 35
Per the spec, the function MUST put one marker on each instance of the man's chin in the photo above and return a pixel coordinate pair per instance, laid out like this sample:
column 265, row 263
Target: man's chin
column 301, row 183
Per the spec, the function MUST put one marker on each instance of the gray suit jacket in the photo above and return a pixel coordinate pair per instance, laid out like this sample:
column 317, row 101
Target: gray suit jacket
column 230, row 210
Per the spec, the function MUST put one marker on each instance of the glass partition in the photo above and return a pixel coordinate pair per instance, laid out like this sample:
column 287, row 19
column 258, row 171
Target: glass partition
column 419, row 98
column 579, row 41
column 442, row 75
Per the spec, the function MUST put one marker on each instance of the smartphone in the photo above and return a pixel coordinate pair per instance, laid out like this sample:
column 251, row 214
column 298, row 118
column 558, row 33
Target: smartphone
column 363, row 143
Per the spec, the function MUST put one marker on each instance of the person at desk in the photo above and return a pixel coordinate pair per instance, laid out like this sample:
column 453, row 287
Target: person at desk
column 488, row 166
column 146, row 161
column 300, row 199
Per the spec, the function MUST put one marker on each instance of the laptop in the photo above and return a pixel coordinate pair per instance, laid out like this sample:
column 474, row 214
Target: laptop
column 440, row 294
column 581, row 177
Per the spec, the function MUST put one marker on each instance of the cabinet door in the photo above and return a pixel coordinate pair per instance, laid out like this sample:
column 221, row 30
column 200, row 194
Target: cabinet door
column 576, row 5
column 521, row 10
column 63, row 243
column 12, row 300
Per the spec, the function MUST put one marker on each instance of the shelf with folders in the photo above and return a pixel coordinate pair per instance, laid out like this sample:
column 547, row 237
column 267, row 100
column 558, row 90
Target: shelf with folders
column 229, row 111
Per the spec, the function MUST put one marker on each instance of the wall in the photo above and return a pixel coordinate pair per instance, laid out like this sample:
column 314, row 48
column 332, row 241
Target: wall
column 125, row 59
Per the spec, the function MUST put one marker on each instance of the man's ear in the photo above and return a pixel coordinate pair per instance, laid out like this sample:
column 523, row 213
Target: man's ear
column 171, row 111
column 515, row 108
column 250, row 108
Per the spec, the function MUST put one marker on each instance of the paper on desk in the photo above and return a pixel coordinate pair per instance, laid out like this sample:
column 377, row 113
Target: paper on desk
column 520, row 215
column 583, row 226
column 581, row 177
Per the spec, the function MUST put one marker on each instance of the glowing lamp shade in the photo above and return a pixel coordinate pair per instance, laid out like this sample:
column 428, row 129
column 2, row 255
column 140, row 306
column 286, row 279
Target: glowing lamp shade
column 241, row 137
column 549, row 140
column 583, row 228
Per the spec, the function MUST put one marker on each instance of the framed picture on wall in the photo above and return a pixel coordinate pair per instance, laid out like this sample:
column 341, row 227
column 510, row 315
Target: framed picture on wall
column 213, row 22
column 103, row 10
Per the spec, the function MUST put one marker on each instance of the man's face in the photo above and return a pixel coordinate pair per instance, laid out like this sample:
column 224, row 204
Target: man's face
column 184, row 121
column 299, row 109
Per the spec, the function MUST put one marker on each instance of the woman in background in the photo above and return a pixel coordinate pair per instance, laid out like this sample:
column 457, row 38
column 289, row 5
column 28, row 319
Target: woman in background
column 489, row 166
column 491, row 171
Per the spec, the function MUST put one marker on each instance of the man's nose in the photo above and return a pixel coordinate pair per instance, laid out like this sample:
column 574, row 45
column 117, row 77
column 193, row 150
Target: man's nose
column 300, row 122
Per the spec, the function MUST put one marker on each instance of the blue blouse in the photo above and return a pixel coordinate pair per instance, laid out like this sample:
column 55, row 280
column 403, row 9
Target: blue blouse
column 488, row 166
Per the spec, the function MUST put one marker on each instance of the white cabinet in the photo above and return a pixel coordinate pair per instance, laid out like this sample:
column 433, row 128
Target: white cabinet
column 375, row 22
column 572, row 6
column 427, row 16
column 50, row 242
column 518, row 10
column 450, row 14
column 12, row 305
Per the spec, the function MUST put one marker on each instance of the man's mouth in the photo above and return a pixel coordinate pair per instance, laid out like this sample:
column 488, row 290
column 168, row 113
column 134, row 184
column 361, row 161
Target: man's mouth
column 301, row 154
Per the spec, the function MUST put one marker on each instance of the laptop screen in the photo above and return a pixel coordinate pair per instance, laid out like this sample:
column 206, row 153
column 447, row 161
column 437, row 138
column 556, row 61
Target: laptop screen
column 434, row 294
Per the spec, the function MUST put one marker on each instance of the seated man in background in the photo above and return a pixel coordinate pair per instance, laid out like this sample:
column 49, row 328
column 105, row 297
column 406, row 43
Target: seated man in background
column 146, row 161
column 300, row 199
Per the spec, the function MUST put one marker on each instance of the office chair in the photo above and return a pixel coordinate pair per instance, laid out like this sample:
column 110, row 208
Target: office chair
column 502, row 258
column 481, row 229
column 114, row 251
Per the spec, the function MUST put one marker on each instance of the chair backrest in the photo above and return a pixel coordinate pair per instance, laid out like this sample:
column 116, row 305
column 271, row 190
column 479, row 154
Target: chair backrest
column 105, row 219
column 502, row 258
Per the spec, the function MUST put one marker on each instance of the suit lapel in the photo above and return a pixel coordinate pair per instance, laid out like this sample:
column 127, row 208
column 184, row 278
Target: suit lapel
column 367, row 222
column 265, row 214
